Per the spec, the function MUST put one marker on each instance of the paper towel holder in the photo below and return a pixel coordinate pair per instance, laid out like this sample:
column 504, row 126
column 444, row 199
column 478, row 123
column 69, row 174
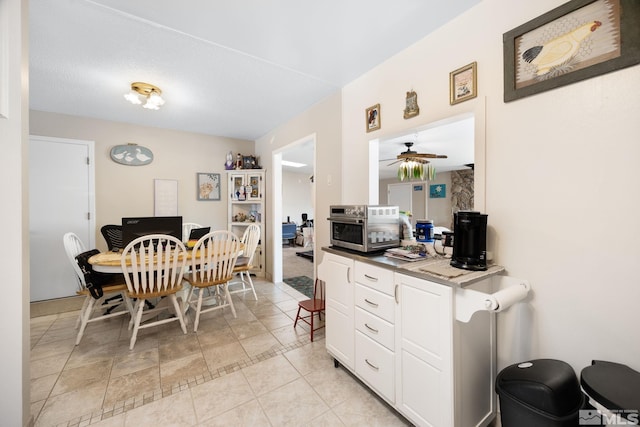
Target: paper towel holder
column 469, row 301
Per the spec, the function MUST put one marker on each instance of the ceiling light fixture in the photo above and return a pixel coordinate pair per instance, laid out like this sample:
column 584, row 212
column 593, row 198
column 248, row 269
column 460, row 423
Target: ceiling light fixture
column 152, row 94
column 415, row 165
column 416, row 169
column 292, row 164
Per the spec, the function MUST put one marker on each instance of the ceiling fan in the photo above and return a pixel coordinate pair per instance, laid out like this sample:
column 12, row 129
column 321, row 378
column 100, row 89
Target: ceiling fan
column 415, row 165
column 411, row 155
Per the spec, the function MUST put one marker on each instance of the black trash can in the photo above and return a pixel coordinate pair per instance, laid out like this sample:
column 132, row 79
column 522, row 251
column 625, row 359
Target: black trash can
column 539, row 393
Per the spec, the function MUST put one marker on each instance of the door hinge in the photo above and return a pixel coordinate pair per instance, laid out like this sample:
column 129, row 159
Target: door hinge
column 89, row 216
column 88, row 161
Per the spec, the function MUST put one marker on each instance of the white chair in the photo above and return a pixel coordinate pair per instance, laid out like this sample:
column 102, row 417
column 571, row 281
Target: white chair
column 186, row 229
column 250, row 239
column 212, row 262
column 73, row 246
column 154, row 267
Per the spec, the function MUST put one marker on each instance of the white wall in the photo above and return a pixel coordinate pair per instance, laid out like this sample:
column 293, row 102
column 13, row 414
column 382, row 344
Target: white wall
column 560, row 168
column 323, row 119
column 14, row 252
column 128, row 190
column 296, row 196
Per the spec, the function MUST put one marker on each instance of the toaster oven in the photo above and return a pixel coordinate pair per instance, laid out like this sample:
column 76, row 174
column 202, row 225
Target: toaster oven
column 365, row 228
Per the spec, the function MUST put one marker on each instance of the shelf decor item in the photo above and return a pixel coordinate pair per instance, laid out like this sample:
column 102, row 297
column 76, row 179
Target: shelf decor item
column 411, row 109
column 463, row 84
column 208, row 186
column 131, row 155
column 575, row 41
column 372, row 118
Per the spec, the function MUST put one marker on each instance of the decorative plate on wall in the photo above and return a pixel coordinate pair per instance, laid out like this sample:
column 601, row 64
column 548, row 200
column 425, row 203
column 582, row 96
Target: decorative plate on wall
column 131, row 155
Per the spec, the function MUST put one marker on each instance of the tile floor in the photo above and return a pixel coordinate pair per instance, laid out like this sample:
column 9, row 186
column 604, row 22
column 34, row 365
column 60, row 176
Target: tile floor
column 256, row 370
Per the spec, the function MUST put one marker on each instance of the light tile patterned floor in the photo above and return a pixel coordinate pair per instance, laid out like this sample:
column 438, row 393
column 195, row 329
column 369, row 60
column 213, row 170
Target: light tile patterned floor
column 256, row 370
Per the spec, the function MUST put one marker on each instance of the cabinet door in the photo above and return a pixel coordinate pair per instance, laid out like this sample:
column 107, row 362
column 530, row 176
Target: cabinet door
column 424, row 329
column 254, row 184
column 337, row 273
column 236, row 186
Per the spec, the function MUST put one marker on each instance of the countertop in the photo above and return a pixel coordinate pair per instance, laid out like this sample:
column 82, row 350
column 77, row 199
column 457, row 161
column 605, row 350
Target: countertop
column 436, row 269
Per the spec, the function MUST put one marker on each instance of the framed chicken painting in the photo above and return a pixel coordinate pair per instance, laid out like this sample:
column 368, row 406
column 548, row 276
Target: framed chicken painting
column 575, row 41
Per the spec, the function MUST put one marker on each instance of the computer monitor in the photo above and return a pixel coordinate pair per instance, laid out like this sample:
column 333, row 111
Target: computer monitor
column 135, row 227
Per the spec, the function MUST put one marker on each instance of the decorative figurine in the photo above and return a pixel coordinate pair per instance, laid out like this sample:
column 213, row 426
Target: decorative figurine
column 228, row 165
column 238, row 161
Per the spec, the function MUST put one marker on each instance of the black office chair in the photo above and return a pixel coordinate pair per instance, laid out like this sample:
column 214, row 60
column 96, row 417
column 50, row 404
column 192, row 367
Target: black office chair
column 113, row 236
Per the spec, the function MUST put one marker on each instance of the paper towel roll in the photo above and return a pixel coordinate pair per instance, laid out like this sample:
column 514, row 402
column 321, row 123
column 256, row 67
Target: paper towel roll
column 505, row 298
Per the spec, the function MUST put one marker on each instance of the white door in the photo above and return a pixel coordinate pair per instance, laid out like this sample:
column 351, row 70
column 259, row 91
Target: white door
column 61, row 188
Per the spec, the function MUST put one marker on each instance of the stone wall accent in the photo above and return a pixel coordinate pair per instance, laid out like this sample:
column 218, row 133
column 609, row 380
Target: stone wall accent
column 461, row 191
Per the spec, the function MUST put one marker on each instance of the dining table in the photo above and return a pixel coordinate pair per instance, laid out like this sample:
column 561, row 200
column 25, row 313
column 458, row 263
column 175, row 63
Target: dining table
column 111, row 262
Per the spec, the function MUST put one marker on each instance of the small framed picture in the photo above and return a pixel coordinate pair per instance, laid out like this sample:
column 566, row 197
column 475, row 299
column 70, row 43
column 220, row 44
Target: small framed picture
column 372, row 118
column 208, row 186
column 438, row 191
column 463, row 84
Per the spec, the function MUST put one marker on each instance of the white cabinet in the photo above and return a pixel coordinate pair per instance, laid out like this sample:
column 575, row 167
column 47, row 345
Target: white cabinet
column 337, row 273
column 246, row 206
column 398, row 334
column 424, row 345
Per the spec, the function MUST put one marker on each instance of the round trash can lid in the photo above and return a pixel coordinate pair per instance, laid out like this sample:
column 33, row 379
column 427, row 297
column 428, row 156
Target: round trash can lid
column 548, row 385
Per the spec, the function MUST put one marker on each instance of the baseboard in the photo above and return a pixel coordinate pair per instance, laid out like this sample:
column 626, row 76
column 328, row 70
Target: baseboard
column 55, row 306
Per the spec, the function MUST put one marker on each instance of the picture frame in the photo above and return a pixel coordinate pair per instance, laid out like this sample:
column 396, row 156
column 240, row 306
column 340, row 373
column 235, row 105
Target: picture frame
column 249, row 162
column 437, row 191
column 610, row 44
column 208, row 186
column 463, row 83
column 372, row 118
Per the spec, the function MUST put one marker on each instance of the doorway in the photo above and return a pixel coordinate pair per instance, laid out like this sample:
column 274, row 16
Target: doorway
column 294, row 195
column 61, row 199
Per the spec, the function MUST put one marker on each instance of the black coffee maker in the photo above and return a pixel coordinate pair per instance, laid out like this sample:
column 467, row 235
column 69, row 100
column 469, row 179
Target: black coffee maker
column 469, row 240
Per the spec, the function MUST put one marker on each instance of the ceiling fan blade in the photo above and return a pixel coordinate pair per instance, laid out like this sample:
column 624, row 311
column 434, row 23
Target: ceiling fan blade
column 421, row 156
column 393, row 163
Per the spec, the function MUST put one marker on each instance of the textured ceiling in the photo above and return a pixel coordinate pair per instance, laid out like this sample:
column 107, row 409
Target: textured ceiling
column 229, row 68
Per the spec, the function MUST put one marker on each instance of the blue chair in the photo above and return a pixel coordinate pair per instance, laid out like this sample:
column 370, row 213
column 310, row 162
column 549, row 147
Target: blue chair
column 289, row 233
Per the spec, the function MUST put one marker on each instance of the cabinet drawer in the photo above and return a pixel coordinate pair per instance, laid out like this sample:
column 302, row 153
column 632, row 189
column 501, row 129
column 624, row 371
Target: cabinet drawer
column 375, row 302
column 375, row 365
column 377, row 278
column 375, row 328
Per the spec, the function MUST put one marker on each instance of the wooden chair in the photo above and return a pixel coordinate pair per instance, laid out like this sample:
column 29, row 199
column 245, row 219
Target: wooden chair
column 212, row 262
column 106, row 305
column 244, row 263
column 156, row 269
column 313, row 306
